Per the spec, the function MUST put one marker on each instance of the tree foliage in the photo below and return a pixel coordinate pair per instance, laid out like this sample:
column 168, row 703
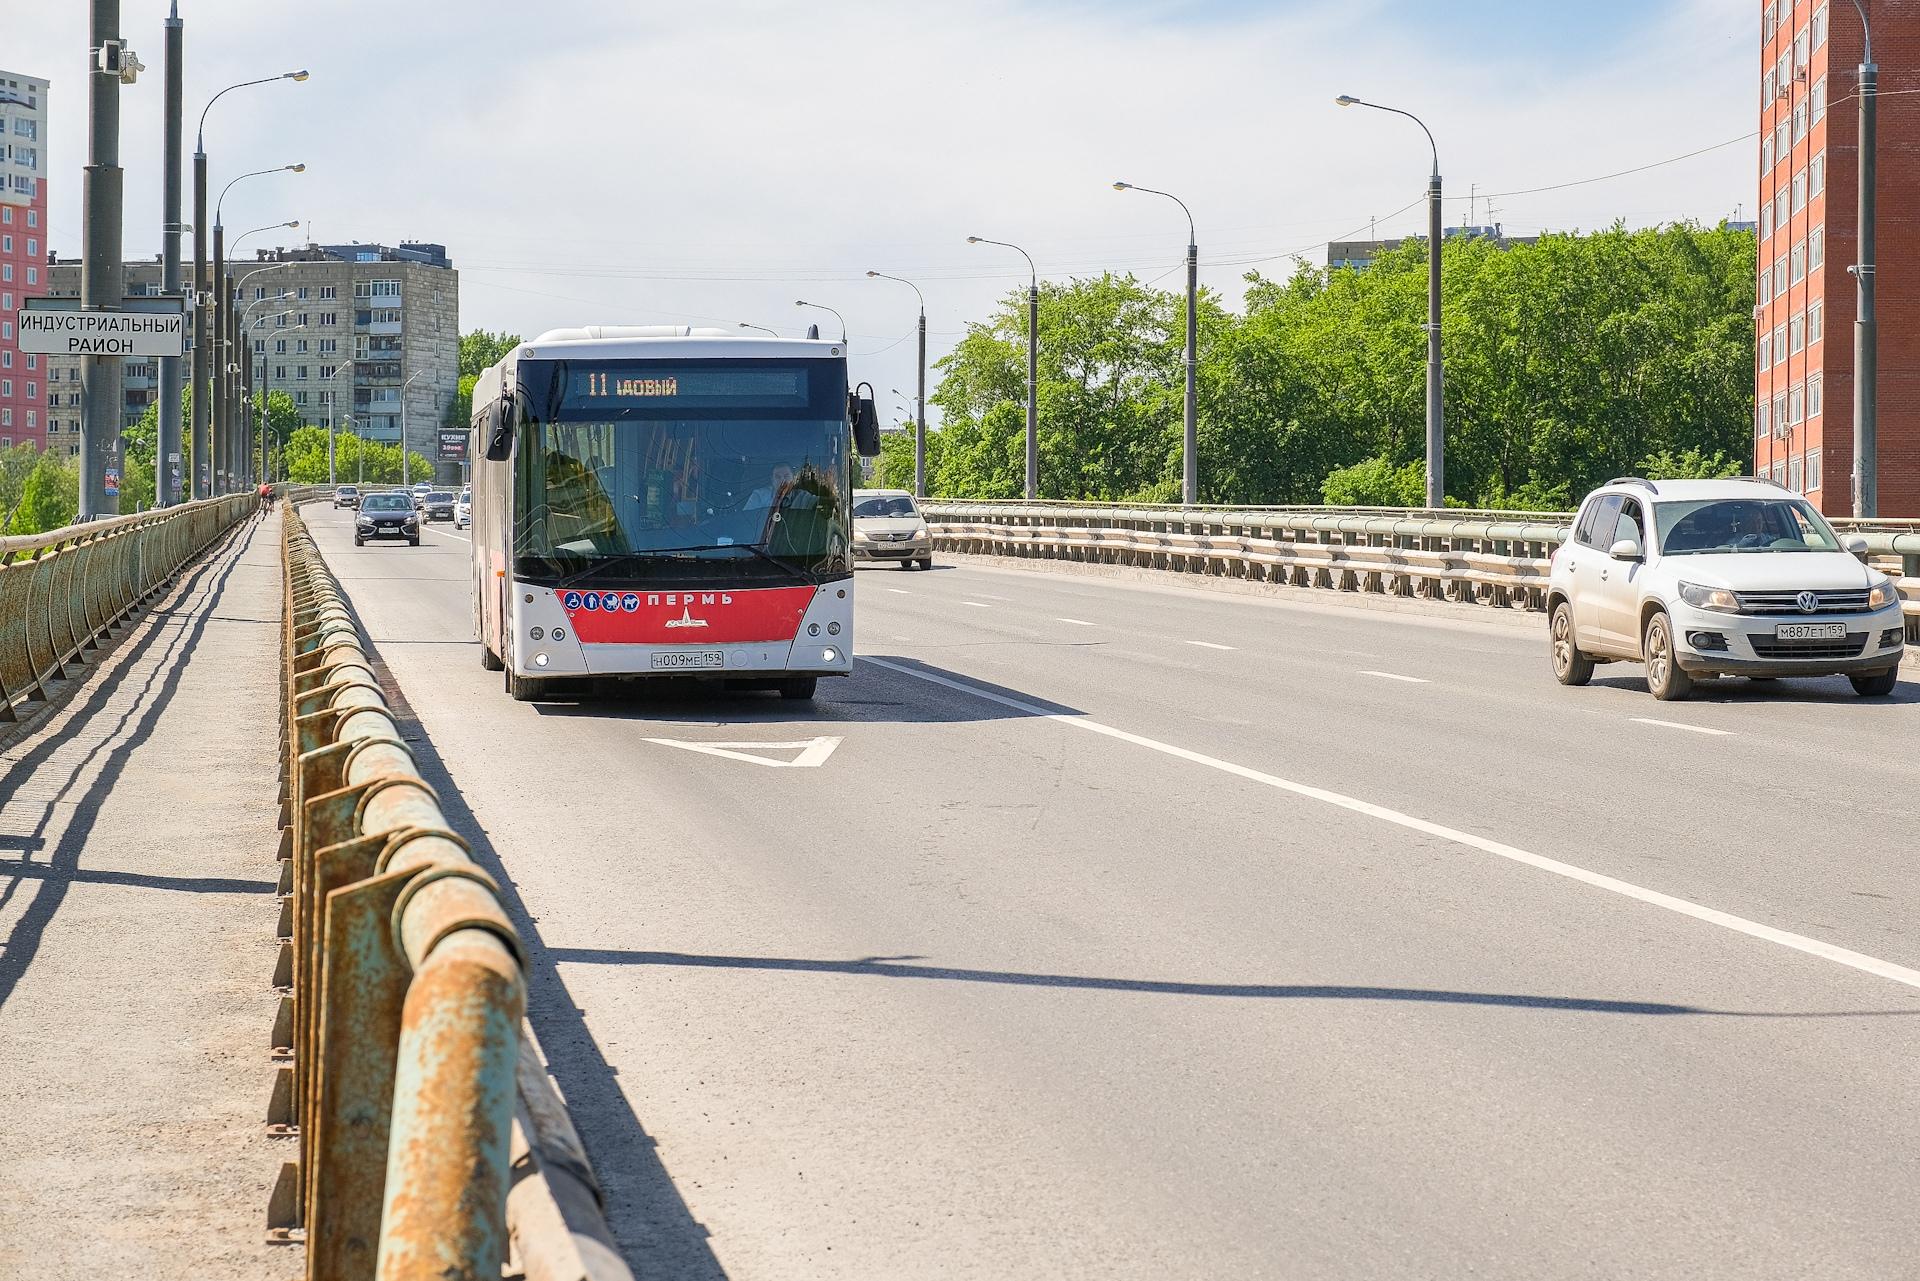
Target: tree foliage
column 1567, row 362
column 354, row 460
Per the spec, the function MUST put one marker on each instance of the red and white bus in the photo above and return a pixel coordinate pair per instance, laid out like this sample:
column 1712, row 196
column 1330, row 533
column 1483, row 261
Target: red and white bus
column 666, row 502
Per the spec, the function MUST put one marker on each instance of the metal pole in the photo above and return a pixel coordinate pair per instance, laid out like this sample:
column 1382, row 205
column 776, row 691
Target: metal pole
column 404, row 475
column 1436, row 424
column 920, row 417
column 167, row 443
column 101, row 273
column 1033, row 376
column 1190, row 449
column 217, row 334
column 1866, row 355
column 201, row 401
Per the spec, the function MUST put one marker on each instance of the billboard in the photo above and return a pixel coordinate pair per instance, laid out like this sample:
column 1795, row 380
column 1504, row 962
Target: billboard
column 453, row 444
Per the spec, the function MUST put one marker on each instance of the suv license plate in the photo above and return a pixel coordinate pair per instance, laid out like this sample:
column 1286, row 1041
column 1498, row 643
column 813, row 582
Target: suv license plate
column 1810, row 631
column 705, row 658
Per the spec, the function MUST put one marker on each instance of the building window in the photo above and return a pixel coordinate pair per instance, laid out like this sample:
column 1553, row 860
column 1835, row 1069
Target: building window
column 1817, row 248
column 259, row 346
column 1796, row 406
column 1817, row 175
column 1766, row 220
column 1765, row 350
column 1819, row 99
column 329, row 318
column 33, row 360
column 1780, row 141
column 1780, row 414
column 279, row 346
column 6, row 271
column 1800, row 191
column 259, row 292
column 1779, row 343
column 299, row 397
column 33, row 218
column 1796, row 335
column 1815, row 396
column 300, row 373
column 1770, row 20
column 1818, row 30
column 328, row 346
column 1816, row 322
column 328, row 291
column 1780, row 275
column 302, row 293
column 33, row 391
column 1798, row 255
column 1813, row 472
column 33, row 419
column 1793, row 474
column 6, row 244
column 6, row 359
column 6, row 387
column 1761, row 423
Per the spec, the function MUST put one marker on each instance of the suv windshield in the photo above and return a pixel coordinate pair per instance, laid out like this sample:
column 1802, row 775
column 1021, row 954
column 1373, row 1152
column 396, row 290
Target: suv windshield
column 1742, row 525
column 386, row 503
column 886, row 505
column 439, row 496
column 348, row 489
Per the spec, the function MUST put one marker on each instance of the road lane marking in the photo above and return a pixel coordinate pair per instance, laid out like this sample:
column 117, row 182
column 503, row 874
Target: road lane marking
column 1210, row 645
column 899, row 591
column 813, row 751
column 977, row 604
column 1626, row 889
column 1395, row 676
column 1077, row 622
column 1697, row 729
column 450, row 534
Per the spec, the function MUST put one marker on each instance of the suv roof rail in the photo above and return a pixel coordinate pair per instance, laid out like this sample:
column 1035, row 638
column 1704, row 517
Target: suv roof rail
column 1635, row 480
column 1761, row 480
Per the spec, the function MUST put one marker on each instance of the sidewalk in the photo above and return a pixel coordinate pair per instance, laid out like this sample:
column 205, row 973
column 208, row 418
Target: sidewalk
column 137, row 863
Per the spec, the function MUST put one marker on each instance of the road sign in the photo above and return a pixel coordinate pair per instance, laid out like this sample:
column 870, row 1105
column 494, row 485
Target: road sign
column 50, row 332
column 453, row 444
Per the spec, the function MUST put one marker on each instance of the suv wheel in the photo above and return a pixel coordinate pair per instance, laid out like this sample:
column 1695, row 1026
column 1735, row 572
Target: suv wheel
column 1878, row 685
column 1665, row 680
column 1570, row 666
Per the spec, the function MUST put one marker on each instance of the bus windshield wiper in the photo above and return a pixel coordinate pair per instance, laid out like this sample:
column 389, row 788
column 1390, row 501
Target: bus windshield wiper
column 803, row 573
column 596, row 567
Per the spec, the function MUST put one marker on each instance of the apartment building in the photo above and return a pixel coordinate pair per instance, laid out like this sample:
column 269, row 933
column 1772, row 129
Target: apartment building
column 23, row 233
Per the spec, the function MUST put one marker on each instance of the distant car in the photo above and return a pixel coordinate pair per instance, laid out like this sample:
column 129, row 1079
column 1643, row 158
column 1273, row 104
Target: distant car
column 347, row 496
column 437, row 504
column 386, row 515
column 419, row 493
column 1703, row 578
column 888, row 526
column 463, row 510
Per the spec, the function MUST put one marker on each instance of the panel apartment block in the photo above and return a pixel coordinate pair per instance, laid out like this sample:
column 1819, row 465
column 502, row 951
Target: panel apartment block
column 23, row 223
column 1808, row 238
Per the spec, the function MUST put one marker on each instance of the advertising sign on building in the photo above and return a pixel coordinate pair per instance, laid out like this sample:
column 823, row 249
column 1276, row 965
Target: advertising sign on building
column 453, row 445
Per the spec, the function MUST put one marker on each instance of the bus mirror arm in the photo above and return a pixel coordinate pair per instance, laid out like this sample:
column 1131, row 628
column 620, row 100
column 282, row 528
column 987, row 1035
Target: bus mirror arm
column 499, row 432
column 866, row 421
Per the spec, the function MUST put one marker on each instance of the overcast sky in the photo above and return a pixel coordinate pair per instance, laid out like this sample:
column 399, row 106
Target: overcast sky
column 624, row 161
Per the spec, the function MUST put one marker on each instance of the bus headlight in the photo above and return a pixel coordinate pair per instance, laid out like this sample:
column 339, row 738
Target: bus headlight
column 829, row 655
column 539, row 660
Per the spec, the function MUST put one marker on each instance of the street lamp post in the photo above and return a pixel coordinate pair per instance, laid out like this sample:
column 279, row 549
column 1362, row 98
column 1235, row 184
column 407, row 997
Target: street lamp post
column 820, row 306
column 404, row 472
column 920, row 397
column 167, row 440
column 762, row 328
column 1190, row 440
column 110, row 65
column 225, row 411
column 1033, row 362
column 237, row 451
column 1436, row 423
column 203, row 286
column 1866, row 325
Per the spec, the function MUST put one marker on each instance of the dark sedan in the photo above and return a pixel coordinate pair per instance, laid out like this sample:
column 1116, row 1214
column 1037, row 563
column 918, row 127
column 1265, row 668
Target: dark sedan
column 386, row 516
column 438, row 505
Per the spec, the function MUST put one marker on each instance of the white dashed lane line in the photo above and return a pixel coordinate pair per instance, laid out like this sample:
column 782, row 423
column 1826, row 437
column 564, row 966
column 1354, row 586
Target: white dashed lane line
column 1395, row 676
column 1210, row 645
column 977, row 604
column 1077, row 622
column 1694, row 729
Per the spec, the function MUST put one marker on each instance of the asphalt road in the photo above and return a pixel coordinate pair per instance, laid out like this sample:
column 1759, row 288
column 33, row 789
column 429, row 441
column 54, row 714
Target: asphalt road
column 1144, row 931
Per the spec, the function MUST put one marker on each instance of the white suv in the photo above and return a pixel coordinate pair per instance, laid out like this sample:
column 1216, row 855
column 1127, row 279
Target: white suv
column 1700, row 578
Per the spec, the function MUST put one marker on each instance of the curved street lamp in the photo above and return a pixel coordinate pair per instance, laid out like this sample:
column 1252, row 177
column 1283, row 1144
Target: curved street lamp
column 1436, row 425
column 1033, row 362
column 762, row 328
column 920, row 400
column 1190, row 439
column 820, row 306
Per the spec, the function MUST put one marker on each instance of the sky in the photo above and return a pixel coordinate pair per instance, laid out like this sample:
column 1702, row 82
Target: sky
column 635, row 162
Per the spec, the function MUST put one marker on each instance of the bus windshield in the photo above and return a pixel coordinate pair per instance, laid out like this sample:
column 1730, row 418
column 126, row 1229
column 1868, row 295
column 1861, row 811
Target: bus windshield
column 682, row 471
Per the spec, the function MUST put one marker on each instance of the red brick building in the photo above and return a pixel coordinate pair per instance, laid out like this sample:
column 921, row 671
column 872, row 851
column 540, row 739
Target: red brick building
column 23, row 252
column 1810, row 51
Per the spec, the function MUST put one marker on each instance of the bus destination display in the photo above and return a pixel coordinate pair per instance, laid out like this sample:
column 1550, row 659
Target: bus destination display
column 650, row 386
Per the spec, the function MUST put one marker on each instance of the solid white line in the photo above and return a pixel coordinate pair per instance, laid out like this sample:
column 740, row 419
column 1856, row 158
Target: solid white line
column 899, row 591
column 976, row 604
column 1395, row 676
column 449, row 533
column 1697, row 729
column 1211, row 645
column 1626, row 889
column 1077, row 622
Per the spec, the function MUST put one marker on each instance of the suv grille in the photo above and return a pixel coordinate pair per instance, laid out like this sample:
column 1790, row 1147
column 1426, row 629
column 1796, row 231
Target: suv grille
column 1769, row 646
column 1851, row 601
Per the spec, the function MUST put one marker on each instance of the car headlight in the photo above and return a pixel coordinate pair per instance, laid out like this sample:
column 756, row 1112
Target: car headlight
column 1882, row 594
column 1720, row 598
column 413, row 520
column 920, row 532
column 859, row 535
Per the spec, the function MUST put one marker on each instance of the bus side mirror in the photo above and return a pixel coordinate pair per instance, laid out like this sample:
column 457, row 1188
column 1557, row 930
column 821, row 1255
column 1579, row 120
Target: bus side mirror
column 499, row 427
column 866, row 426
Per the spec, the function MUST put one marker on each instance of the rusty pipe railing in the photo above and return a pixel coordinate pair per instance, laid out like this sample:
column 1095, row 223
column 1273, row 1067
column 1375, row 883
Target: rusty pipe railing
column 404, row 979
column 63, row 592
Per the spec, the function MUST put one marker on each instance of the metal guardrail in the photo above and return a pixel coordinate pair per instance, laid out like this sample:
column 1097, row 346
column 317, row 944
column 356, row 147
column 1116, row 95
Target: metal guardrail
column 1501, row 561
column 403, row 975
column 63, row 592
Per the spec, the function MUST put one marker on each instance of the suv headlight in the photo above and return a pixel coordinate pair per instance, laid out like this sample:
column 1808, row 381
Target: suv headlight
column 859, row 535
column 1720, row 598
column 1882, row 594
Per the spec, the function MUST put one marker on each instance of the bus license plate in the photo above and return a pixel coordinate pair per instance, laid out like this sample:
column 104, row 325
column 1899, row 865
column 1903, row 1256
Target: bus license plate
column 1810, row 631
column 704, row 658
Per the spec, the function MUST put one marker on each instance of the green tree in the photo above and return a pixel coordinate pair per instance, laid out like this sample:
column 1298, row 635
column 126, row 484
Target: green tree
column 479, row 349
column 1377, row 483
column 51, row 497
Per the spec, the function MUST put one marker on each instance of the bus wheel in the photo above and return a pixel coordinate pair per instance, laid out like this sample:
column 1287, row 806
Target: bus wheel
column 490, row 661
column 797, row 688
column 525, row 689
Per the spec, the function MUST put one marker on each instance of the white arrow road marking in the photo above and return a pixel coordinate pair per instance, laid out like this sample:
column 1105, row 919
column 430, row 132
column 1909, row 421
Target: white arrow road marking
column 813, row 751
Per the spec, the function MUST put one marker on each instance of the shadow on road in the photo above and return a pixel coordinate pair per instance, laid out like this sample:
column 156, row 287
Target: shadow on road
column 895, row 967
column 1738, row 690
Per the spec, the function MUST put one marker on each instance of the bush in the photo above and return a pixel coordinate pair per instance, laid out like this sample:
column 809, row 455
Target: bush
column 1377, row 483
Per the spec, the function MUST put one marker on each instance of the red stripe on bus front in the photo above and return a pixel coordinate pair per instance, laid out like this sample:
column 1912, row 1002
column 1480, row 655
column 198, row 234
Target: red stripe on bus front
column 686, row 618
